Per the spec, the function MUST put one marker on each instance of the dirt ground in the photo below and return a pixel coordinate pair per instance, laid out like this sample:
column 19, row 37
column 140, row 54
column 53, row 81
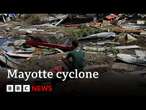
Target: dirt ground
column 115, row 79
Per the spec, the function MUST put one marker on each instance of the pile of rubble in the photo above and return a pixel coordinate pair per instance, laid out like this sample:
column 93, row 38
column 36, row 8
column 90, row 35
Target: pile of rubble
column 108, row 38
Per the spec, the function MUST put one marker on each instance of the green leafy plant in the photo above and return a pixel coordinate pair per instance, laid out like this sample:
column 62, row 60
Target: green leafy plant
column 114, row 51
column 82, row 31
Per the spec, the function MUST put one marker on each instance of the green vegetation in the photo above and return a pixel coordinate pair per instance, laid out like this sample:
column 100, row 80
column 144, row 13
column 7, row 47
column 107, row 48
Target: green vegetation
column 114, row 51
column 82, row 31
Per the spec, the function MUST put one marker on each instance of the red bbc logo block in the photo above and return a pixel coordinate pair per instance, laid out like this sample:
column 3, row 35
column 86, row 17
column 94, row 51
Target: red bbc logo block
column 17, row 88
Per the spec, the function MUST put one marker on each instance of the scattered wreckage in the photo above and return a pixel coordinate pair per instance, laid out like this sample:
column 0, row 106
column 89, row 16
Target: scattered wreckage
column 105, row 40
column 7, row 61
column 138, row 59
column 133, row 26
column 102, row 35
column 20, row 54
column 102, row 49
column 7, row 17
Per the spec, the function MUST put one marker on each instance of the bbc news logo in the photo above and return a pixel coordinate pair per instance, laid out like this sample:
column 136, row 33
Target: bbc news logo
column 29, row 88
column 18, row 88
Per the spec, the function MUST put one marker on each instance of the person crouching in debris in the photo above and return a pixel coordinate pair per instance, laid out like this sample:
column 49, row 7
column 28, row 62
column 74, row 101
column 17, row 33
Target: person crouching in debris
column 75, row 59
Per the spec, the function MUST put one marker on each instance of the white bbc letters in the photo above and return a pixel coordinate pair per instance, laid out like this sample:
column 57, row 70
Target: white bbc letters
column 17, row 88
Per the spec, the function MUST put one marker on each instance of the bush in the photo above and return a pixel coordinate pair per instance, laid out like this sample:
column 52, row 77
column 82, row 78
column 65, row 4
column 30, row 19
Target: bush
column 82, row 32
